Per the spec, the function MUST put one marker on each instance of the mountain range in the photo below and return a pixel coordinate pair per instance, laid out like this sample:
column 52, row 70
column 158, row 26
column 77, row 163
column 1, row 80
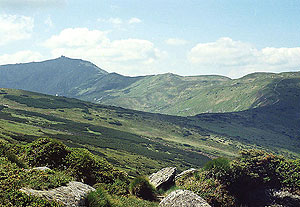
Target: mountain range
column 165, row 93
column 215, row 114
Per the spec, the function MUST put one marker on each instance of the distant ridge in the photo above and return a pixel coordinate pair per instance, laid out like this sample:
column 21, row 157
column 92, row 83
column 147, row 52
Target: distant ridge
column 56, row 76
column 164, row 93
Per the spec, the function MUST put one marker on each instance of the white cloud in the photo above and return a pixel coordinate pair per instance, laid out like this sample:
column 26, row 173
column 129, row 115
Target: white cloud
column 134, row 20
column 115, row 21
column 20, row 57
column 235, row 58
column 118, row 22
column 14, row 27
column 49, row 22
column 176, row 41
column 31, row 3
column 77, row 37
column 127, row 56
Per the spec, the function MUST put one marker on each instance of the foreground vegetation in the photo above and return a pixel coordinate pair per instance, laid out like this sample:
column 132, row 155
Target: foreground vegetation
column 221, row 182
column 66, row 164
column 138, row 141
column 245, row 180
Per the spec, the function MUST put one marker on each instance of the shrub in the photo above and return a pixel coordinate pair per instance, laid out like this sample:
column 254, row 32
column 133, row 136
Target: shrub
column 209, row 188
column 92, row 169
column 289, row 172
column 119, row 187
column 142, row 188
column 219, row 167
column 11, row 156
column 256, row 168
column 47, row 152
column 98, row 198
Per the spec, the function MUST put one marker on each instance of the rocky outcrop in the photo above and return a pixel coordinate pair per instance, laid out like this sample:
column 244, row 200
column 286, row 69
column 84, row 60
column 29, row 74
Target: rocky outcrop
column 163, row 178
column 38, row 169
column 284, row 198
column 180, row 198
column 72, row 195
column 186, row 172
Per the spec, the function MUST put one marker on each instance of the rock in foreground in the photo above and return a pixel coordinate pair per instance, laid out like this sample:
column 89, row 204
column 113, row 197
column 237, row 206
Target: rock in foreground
column 186, row 172
column 180, row 198
column 72, row 195
column 163, row 178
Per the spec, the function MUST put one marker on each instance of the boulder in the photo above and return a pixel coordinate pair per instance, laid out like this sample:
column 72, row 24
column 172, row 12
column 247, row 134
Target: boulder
column 186, row 172
column 186, row 198
column 285, row 198
column 38, row 169
column 72, row 195
column 163, row 178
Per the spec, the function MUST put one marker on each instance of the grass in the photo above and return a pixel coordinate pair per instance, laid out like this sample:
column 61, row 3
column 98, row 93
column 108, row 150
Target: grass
column 135, row 152
column 140, row 142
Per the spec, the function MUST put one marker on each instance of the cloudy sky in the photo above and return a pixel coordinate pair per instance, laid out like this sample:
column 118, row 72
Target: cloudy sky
column 134, row 37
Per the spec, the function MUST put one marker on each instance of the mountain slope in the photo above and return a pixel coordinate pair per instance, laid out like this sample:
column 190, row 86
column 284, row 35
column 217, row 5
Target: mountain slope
column 132, row 140
column 56, row 76
column 188, row 96
column 145, row 141
column 166, row 93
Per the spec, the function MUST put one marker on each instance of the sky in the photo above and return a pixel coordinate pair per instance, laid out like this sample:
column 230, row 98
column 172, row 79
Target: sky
column 133, row 37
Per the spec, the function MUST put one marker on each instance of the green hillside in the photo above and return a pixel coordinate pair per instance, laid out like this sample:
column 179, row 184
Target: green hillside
column 188, row 96
column 166, row 93
column 57, row 76
column 140, row 141
column 134, row 141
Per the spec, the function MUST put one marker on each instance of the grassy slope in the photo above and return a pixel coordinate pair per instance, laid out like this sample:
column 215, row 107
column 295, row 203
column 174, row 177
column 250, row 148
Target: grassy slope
column 165, row 93
column 144, row 141
column 188, row 96
column 57, row 76
column 130, row 139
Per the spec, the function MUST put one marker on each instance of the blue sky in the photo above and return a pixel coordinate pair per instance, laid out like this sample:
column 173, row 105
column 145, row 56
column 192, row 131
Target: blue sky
column 133, row 37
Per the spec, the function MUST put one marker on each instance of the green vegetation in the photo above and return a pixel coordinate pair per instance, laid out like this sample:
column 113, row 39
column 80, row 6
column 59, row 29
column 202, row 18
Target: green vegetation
column 141, row 143
column 218, row 167
column 13, row 178
column 61, row 75
column 141, row 187
column 135, row 141
column 72, row 164
column 253, row 171
column 98, row 198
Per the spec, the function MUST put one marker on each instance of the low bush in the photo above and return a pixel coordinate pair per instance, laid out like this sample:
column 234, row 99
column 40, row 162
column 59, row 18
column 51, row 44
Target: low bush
column 98, row 198
column 142, row 188
column 255, row 169
column 289, row 173
column 13, row 178
column 11, row 156
column 78, row 162
column 119, row 187
column 85, row 166
column 219, row 167
column 208, row 187
column 47, row 152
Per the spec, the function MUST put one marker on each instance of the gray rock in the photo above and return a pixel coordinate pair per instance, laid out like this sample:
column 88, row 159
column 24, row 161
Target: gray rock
column 186, row 172
column 183, row 198
column 284, row 198
column 163, row 178
column 38, row 168
column 72, row 195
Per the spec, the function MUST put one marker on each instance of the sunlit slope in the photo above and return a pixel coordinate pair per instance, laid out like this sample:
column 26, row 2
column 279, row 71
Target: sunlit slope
column 187, row 96
column 165, row 93
column 145, row 141
column 58, row 76
column 135, row 141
